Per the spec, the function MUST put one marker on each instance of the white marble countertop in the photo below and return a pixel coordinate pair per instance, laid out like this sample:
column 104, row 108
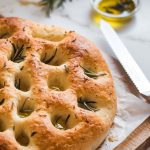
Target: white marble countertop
column 77, row 16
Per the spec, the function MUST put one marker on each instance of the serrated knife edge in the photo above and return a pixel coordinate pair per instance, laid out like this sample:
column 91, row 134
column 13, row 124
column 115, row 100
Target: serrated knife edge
column 125, row 58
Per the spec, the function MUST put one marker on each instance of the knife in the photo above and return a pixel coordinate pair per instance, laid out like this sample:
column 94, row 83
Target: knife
column 125, row 58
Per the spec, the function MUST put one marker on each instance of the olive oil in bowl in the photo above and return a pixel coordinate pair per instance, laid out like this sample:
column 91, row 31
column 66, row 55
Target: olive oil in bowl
column 116, row 7
column 118, row 12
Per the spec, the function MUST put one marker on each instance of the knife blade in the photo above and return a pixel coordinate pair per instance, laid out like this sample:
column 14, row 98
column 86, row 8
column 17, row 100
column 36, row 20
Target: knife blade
column 125, row 58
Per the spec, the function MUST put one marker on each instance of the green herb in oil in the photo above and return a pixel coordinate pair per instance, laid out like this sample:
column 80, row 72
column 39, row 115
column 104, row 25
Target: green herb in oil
column 116, row 7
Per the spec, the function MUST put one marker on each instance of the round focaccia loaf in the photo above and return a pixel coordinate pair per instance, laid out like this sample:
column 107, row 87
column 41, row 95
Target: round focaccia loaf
column 56, row 91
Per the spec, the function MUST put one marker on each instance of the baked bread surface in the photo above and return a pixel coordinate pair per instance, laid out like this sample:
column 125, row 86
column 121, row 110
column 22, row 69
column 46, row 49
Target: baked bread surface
column 56, row 91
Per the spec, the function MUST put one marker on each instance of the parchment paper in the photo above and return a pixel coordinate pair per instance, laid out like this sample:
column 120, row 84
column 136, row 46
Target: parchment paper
column 132, row 109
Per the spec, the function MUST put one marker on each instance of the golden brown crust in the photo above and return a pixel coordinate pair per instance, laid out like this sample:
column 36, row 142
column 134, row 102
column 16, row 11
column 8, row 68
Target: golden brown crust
column 48, row 100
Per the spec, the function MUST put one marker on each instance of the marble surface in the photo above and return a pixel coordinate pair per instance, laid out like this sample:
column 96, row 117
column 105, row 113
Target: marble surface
column 77, row 16
column 136, row 35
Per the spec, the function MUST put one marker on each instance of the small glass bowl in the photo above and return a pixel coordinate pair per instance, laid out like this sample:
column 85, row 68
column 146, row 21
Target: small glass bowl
column 115, row 17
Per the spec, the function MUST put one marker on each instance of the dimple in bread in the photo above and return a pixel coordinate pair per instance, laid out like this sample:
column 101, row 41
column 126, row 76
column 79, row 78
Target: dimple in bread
column 56, row 91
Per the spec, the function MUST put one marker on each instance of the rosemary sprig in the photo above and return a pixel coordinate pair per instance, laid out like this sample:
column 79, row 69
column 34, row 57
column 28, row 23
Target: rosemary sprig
column 2, row 85
column 22, row 68
column 5, row 64
column 2, row 101
column 47, row 61
column 55, row 88
column 24, row 112
column 4, row 35
column 49, row 5
column 67, row 118
column 18, row 51
column 12, row 105
column 66, row 69
column 91, row 74
column 17, row 83
column 33, row 133
column 86, row 104
column 61, row 123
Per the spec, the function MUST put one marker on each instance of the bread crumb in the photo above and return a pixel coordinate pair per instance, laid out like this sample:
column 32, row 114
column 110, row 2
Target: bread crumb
column 112, row 138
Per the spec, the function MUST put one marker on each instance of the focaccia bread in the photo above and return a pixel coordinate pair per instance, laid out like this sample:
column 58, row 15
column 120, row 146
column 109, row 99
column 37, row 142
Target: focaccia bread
column 56, row 91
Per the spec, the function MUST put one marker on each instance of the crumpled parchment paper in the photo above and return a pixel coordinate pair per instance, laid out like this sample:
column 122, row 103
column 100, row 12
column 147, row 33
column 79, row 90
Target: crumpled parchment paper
column 132, row 108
